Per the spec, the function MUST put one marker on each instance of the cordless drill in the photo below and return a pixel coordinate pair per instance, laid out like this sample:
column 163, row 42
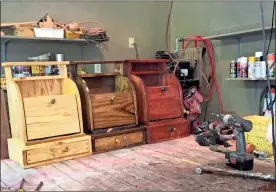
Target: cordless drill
column 238, row 159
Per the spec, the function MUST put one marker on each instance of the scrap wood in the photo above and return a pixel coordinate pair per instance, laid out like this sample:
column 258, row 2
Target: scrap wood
column 21, row 23
column 236, row 173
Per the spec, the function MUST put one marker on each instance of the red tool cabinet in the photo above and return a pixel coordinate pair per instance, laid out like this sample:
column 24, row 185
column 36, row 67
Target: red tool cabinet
column 159, row 99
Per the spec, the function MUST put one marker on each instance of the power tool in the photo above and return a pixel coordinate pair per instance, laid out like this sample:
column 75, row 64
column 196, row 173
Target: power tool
column 238, row 159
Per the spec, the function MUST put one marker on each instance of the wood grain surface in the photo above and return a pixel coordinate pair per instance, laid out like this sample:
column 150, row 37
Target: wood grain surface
column 44, row 119
column 5, row 126
column 108, row 113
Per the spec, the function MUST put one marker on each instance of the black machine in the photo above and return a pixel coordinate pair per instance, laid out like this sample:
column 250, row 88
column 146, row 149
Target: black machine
column 239, row 159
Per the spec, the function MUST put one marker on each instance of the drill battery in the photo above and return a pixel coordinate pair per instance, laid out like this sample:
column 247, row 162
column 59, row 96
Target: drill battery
column 243, row 162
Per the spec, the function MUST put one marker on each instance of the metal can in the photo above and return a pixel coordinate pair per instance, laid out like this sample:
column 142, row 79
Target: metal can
column 262, row 69
column 244, row 67
column 233, row 69
column 251, row 67
column 259, row 58
column 36, row 70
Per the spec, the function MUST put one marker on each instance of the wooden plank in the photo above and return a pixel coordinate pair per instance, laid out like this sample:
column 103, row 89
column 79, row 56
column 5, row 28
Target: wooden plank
column 91, row 177
column 38, row 78
column 33, row 177
column 133, row 168
column 52, row 115
column 13, row 24
column 5, row 127
column 30, row 63
column 117, row 172
column 64, row 181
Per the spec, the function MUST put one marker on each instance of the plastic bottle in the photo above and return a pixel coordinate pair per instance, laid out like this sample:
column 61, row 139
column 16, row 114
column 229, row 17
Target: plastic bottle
column 251, row 67
column 233, row 69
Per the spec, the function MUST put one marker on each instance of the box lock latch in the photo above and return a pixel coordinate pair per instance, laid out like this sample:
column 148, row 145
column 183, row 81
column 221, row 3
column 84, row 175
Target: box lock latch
column 112, row 99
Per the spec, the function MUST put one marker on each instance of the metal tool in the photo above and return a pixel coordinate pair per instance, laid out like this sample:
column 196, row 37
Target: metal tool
column 22, row 183
column 237, row 173
column 238, row 159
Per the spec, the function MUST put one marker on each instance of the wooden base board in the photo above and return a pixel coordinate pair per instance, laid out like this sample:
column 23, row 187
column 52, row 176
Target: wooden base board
column 167, row 130
column 118, row 139
column 49, row 152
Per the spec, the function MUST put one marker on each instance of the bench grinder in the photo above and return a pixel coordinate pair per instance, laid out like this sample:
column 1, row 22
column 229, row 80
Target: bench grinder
column 238, row 159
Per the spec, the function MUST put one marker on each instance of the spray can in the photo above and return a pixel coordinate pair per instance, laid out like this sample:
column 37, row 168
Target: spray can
column 251, row 67
column 271, row 64
column 238, row 67
column 233, row 69
column 244, row 67
column 259, row 57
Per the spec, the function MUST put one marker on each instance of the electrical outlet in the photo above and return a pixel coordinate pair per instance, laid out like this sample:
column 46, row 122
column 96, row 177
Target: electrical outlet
column 131, row 42
column 97, row 68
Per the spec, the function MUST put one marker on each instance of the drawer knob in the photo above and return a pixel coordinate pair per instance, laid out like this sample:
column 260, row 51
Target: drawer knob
column 66, row 149
column 53, row 101
column 117, row 141
column 112, row 99
column 163, row 89
column 171, row 129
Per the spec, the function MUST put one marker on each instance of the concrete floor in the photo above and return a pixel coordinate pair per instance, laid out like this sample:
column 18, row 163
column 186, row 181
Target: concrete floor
column 166, row 166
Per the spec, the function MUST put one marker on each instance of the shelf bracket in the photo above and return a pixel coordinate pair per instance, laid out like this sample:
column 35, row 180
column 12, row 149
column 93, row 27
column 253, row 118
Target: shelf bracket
column 4, row 43
column 239, row 46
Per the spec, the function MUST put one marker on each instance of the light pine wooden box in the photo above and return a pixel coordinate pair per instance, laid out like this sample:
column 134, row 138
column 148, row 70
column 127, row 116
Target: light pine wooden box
column 45, row 117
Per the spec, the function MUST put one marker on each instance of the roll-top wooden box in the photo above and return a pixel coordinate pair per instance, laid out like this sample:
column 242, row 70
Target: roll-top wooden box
column 159, row 99
column 109, row 109
column 45, row 117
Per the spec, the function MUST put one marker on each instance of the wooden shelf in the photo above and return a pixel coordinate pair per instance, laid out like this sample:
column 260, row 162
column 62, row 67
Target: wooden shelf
column 11, row 37
column 249, row 79
column 98, row 74
column 147, row 72
column 31, row 78
column 236, row 34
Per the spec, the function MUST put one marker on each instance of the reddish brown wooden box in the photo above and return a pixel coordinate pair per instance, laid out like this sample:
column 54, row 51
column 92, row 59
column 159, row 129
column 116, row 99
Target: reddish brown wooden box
column 109, row 109
column 159, row 99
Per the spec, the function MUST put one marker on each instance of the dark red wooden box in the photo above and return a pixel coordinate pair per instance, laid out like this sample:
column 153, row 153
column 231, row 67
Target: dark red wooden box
column 159, row 99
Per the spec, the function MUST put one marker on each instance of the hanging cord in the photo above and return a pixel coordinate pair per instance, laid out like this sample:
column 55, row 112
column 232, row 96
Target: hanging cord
column 268, row 80
column 209, row 47
column 263, row 98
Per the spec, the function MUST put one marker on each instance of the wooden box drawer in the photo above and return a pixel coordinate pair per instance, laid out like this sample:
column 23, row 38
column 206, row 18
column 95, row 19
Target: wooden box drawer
column 167, row 130
column 118, row 141
column 163, row 103
column 48, row 116
column 58, row 151
column 113, row 109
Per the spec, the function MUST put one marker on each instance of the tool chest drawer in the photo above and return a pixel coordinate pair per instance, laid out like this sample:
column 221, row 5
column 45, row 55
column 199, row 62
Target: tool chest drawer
column 113, row 109
column 167, row 130
column 53, row 115
column 57, row 151
column 118, row 140
column 163, row 103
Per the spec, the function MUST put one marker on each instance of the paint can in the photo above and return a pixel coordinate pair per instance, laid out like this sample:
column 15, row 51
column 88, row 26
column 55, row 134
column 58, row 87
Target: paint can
column 233, row 69
column 238, row 64
column 48, row 70
column 243, row 67
column 271, row 64
column 251, row 67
